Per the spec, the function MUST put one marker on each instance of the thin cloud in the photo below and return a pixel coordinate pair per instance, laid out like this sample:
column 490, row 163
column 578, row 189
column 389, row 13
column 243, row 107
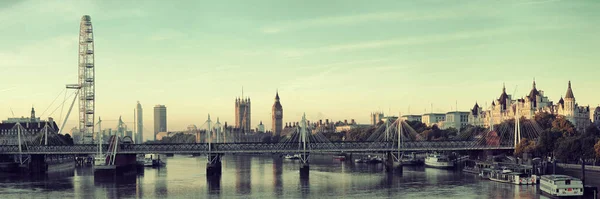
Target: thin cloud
column 166, row 35
column 362, row 18
column 536, row 2
column 421, row 40
column 8, row 89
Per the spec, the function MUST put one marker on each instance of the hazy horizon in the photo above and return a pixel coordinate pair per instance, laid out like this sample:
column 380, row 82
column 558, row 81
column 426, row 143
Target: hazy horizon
column 331, row 60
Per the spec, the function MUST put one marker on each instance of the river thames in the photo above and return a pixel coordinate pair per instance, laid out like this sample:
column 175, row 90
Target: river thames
column 264, row 177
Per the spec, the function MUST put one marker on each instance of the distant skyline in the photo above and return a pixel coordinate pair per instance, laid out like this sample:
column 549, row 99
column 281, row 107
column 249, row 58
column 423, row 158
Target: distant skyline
column 331, row 59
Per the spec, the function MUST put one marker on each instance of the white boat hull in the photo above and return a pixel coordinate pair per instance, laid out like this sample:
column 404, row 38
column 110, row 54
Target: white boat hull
column 442, row 165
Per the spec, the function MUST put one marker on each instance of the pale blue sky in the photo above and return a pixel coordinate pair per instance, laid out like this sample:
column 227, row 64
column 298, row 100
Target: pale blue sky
column 330, row 59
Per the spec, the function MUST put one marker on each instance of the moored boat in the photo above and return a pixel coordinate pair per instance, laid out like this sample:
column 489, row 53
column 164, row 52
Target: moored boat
column 369, row 159
column 475, row 167
column 438, row 161
column 508, row 176
column 411, row 160
column 561, row 186
column 292, row 157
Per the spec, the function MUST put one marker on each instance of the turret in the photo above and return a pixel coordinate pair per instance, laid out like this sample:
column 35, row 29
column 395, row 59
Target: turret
column 569, row 94
column 32, row 114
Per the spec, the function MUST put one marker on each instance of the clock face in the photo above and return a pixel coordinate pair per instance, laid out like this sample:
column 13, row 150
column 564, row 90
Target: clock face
column 277, row 112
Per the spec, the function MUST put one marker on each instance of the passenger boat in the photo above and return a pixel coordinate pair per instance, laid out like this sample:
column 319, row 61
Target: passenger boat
column 475, row 167
column 438, row 161
column 411, row 160
column 485, row 173
column 153, row 160
column 369, row 159
column 561, row 186
column 508, row 176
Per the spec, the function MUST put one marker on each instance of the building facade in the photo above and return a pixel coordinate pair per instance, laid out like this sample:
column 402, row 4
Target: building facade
column 243, row 114
column 160, row 119
column 568, row 107
column 505, row 108
column 456, row 119
column 139, row 123
column 596, row 116
column 277, row 116
column 411, row 118
column 31, row 126
column 376, row 117
column 431, row 119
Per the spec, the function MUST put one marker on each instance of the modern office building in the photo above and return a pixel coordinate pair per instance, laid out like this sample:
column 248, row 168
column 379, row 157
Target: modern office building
column 160, row 119
column 139, row 124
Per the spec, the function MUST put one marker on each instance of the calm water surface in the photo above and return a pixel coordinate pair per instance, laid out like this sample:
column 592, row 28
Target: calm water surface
column 263, row 177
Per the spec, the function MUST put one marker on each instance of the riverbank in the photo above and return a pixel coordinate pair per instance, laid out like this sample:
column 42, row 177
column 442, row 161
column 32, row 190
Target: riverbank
column 578, row 167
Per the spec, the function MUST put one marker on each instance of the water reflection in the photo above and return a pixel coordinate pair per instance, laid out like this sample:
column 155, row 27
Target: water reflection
column 263, row 177
column 243, row 175
column 277, row 175
column 214, row 185
column 160, row 188
column 305, row 186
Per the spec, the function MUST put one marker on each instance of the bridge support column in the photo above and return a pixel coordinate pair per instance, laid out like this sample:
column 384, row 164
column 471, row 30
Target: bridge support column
column 213, row 167
column 305, row 167
column 392, row 166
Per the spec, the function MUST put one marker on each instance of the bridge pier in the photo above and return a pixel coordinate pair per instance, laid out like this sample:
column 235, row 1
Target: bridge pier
column 213, row 167
column 305, row 167
column 392, row 166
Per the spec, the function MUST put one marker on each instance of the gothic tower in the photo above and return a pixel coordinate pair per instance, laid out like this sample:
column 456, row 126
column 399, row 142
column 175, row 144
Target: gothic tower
column 277, row 116
column 569, row 102
column 243, row 114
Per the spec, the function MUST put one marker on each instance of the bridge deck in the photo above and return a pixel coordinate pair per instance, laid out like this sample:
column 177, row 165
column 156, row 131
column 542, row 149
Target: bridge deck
column 190, row 148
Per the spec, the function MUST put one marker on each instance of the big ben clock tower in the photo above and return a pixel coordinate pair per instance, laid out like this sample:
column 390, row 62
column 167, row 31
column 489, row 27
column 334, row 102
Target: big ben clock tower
column 277, row 116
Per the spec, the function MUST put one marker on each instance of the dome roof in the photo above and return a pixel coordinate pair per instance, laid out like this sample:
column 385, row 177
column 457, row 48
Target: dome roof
column 598, row 109
column 569, row 94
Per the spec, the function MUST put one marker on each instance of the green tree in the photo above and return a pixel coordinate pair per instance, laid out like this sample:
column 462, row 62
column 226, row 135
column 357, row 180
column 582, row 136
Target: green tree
column 547, row 141
column 469, row 132
column 597, row 149
column 587, row 146
column 525, row 146
column 565, row 126
column 592, row 131
column 417, row 126
column 544, row 119
column 569, row 149
column 359, row 134
column 450, row 132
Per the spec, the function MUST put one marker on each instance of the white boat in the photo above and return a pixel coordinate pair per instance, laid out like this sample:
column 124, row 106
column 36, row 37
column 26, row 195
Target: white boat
column 508, row 176
column 99, row 160
column 153, row 160
column 438, row 161
column 369, row 159
column 292, row 157
column 561, row 186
